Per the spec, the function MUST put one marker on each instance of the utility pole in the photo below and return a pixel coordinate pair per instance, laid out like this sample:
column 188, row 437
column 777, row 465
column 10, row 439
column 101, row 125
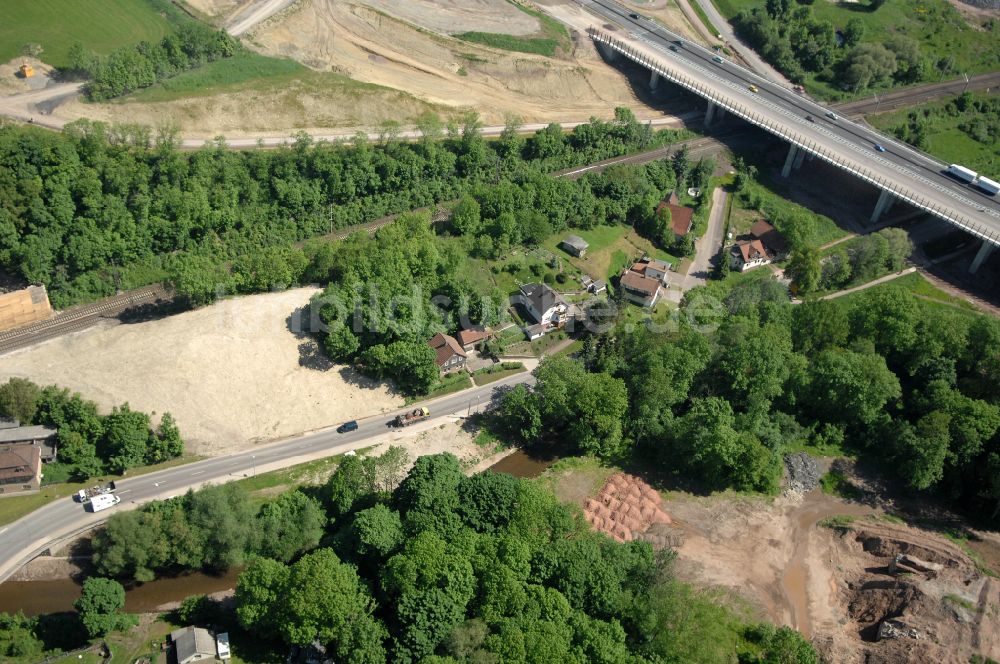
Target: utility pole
column 253, row 462
column 877, row 101
column 966, row 88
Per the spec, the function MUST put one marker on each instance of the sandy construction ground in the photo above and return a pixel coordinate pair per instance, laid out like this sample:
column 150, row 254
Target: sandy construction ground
column 231, row 373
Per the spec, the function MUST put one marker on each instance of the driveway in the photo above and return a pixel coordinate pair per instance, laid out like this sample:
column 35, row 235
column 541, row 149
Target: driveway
column 708, row 245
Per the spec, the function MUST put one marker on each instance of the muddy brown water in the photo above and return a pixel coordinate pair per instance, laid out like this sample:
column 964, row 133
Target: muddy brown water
column 55, row 595
column 815, row 507
column 522, row 464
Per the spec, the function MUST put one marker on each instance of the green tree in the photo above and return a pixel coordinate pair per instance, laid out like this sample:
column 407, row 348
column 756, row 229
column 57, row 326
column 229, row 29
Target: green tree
column 260, row 595
column 818, row 325
column 167, row 443
column 126, row 438
column 289, row 525
column 850, row 388
column 854, row 32
column 921, row 450
column 776, row 645
column 19, row 399
column 378, row 532
column 100, row 606
column 804, row 269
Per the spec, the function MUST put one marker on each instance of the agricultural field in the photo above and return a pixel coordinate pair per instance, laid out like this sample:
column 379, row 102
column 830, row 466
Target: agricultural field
column 56, row 24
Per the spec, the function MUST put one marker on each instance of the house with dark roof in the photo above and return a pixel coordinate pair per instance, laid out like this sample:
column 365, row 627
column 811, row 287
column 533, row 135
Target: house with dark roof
column 20, row 468
column 574, row 245
column 545, row 306
column 449, row 354
column 772, row 240
column 681, row 217
column 193, row 644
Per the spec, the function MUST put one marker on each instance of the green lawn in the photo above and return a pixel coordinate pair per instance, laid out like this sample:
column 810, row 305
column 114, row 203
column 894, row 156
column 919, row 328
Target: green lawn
column 767, row 200
column 240, row 72
column 550, row 39
column 100, row 25
column 486, row 376
column 944, row 138
column 926, row 292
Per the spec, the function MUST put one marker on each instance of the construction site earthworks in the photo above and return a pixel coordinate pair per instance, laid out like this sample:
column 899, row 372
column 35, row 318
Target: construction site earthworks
column 357, row 64
column 865, row 585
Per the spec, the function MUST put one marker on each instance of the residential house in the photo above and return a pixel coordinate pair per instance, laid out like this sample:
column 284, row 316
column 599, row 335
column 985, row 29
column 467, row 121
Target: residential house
column 473, row 338
column 545, row 306
column 20, row 468
column 765, row 245
column 574, row 245
column 772, row 240
column 193, row 644
column 41, row 437
column 597, row 287
column 748, row 254
column 643, row 282
column 450, row 355
column 681, row 217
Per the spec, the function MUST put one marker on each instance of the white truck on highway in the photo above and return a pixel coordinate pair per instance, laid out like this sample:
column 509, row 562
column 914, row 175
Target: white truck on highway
column 962, row 173
column 989, row 186
column 104, row 501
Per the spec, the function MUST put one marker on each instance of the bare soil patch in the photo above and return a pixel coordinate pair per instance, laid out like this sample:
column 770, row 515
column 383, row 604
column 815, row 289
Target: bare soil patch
column 12, row 83
column 457, row 16
column 232, row 373
column 216, row 7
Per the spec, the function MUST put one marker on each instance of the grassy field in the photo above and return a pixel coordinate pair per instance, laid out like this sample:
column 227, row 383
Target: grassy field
column 100, row 26
column 240, row 72
column 945, row 138
column 942, row 32
column 552, row 38
column 611, row 247
column 928, row 294
column 767, row 200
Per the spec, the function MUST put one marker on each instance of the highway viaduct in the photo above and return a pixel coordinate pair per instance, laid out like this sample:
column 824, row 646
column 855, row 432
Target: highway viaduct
column 898, row 171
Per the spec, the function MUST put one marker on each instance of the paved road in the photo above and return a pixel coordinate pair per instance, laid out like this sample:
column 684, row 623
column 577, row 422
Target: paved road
column 731, row 39
column 851, row 145
column 708, row 244
column 24, row 539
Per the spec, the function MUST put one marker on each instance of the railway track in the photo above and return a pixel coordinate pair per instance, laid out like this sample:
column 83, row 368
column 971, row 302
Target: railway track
column 78, row 318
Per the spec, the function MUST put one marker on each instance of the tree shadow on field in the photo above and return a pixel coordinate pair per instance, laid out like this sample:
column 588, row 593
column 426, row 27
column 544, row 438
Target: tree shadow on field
column 311, row 354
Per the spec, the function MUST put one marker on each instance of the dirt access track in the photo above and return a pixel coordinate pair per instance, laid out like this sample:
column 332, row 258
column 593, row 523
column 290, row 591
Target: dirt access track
column 231, row 373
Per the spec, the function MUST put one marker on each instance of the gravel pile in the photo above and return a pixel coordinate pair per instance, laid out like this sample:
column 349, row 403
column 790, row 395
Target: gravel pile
column 803, row 472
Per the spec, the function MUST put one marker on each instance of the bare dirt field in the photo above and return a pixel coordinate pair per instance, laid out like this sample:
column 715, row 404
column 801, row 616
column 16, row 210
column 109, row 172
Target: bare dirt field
column 231, row 373
column 216, row 7
column 408, row 50
column 834, row 584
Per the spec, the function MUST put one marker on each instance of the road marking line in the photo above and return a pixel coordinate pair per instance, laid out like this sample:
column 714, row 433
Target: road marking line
column 198, row 472
column 120, row 492
column 3, row 531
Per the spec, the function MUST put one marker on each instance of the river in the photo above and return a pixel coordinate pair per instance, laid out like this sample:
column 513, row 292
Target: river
column 55, row 595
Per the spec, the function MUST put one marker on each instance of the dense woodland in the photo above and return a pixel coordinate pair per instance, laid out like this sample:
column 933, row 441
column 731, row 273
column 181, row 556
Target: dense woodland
column 86, row 211
column 383, row 565
column 90, row 444
column 718, row 400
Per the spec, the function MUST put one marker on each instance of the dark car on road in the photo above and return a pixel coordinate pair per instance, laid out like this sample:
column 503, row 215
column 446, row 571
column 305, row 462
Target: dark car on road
column 348, row 426
column 879, row 148
column 634, row 17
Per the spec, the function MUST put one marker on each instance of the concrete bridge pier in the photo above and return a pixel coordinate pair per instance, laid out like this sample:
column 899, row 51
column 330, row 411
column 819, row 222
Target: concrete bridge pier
column 984, row 252
column 799, row 158
column 654, row 81
column 609, row 53
column 884, row 204
column 793, row 151
column 710, row 113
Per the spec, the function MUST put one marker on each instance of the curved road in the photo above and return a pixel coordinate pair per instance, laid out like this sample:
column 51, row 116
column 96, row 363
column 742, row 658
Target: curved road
column 27, row 537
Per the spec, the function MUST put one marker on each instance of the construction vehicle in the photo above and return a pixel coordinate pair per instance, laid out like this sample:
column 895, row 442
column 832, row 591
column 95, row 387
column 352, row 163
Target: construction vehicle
column 87, row 495
column 27, row 71
column 104, row 501
column 412, row 417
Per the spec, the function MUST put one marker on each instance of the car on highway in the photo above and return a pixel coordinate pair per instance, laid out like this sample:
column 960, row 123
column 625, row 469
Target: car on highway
column 634, row 17
column 810, row 118
column 680, row 42
column 348, row 426
column 673, row 48
column 718, row 59
column 879, row 148
column 753, row 88
column 831, row 115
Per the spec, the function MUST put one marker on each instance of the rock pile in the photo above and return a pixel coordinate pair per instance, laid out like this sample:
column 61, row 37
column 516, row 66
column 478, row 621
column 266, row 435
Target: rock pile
column 803, row 472
column 625, row 508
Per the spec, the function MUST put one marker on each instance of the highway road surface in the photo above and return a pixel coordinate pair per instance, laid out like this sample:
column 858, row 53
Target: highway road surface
column 852, row 145
column 24, row 539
